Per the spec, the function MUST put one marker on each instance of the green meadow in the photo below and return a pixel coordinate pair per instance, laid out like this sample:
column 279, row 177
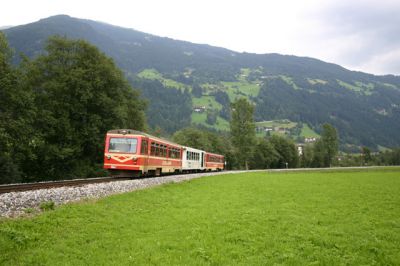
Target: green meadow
column 155, row 75
column 262, row 218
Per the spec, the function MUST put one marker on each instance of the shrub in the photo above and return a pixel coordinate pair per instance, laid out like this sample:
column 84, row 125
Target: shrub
column 47, row 206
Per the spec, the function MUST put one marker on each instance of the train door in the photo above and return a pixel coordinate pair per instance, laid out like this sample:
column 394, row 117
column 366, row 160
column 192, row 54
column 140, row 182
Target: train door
column 145, row 154
column 202, row 160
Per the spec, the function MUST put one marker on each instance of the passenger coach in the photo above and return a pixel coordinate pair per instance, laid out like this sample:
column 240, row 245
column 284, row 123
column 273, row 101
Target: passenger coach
column 214, row 162
column 193, row 160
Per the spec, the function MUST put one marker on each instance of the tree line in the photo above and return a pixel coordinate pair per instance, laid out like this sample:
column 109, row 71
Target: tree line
column 55, row 110
column 243, row 150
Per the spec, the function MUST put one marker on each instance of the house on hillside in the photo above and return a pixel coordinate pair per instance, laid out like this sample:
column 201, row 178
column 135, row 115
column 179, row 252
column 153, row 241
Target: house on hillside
column 199, row 109
column 281, row 130
column 310, row 139
column 300, row 149
column 264, row 129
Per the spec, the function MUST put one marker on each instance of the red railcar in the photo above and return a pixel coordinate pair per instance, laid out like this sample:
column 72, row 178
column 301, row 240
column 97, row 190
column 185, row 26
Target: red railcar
column 134, row 153
column 214, row 162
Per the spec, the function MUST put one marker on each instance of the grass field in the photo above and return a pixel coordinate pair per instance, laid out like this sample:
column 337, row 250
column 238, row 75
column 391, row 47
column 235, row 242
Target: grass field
column 155, row 75
column 277, row 123
column 289, row 81
column 208, row 101
column 360, row 87
column 200, row 118
column 307, row 132
column 240, row 89
column 317, row 81
column 305, row 218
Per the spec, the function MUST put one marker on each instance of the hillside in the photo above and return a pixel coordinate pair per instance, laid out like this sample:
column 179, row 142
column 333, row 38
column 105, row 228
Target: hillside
column 190, row 83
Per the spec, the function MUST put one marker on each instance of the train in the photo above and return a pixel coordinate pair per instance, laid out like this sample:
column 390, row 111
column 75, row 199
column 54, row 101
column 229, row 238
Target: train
column 133, row 153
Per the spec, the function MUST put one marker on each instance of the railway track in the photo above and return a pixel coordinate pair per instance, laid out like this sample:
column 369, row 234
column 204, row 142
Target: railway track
column 80, row 182
column 53, row 184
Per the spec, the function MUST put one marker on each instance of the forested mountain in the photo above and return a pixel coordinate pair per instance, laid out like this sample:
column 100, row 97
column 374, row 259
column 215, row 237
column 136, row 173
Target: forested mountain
column 178, row 77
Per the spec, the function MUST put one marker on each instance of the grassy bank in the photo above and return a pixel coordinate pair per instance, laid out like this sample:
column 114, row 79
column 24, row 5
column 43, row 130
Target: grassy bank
column 250, row 219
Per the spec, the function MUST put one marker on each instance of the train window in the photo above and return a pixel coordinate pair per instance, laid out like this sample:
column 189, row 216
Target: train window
column 157, row 149
column 127, row 145
column 176, row 153
column 144, row 148
column 153, row 149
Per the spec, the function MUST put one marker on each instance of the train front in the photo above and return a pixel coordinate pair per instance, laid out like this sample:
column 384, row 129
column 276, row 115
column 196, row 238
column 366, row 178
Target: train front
column 121, row 155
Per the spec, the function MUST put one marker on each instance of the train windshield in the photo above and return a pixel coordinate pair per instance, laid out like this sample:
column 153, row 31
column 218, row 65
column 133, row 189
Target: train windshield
column 127, row 145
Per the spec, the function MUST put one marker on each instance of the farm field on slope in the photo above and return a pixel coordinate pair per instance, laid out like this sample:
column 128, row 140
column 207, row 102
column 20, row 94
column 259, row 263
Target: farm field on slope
column 255, row 218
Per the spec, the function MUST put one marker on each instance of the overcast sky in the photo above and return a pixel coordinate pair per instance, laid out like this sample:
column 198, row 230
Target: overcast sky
column 357, row 34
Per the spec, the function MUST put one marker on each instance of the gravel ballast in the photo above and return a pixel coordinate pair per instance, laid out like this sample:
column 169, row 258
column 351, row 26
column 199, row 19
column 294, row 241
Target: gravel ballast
column 15, row 204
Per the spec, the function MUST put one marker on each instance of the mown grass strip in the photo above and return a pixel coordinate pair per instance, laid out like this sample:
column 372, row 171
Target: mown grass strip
column 251, row 219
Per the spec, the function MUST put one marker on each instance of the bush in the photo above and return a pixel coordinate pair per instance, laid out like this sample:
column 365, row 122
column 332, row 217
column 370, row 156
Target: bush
column 9, row 172
column 47, row 206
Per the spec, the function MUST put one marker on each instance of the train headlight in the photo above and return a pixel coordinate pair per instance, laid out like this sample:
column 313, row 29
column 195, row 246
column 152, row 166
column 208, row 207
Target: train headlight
column 108, row 157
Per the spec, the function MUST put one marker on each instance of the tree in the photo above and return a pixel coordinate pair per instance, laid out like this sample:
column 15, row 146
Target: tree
column 243, row 130
column 326, row 148
column 16, row 118
column 8, row 168
column 307, row 156
column 319, row 151
column 197, row 91
column 193, row 137
column 330, row 141
column 286, row 150
column 366, row 154
column 79, row 94
column 265, row 156
column 211, row 117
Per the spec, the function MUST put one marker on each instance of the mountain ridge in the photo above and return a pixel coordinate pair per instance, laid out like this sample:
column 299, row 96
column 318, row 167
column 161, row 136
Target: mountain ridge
column 364, row 107
column 96, row 25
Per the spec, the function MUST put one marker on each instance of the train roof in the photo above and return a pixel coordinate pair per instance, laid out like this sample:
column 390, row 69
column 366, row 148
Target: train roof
column 192, row 149
column 136, row 132
column 215, row 154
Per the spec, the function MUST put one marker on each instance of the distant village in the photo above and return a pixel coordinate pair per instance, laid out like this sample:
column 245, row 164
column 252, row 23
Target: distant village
column 269, row 130
column 282, row 130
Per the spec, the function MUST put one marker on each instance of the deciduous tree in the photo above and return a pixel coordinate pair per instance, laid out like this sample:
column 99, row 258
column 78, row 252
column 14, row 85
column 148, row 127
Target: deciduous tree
column 79, row 94
column 243, row 130
column 286, row 150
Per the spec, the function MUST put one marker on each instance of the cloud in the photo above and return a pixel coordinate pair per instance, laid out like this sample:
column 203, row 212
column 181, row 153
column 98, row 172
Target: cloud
column 366, row 34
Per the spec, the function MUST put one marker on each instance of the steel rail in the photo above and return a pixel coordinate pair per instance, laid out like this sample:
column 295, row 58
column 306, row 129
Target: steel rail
column 53, row 184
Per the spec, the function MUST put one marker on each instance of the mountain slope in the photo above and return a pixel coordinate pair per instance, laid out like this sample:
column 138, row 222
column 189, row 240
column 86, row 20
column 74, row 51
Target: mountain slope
column 365, row 108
